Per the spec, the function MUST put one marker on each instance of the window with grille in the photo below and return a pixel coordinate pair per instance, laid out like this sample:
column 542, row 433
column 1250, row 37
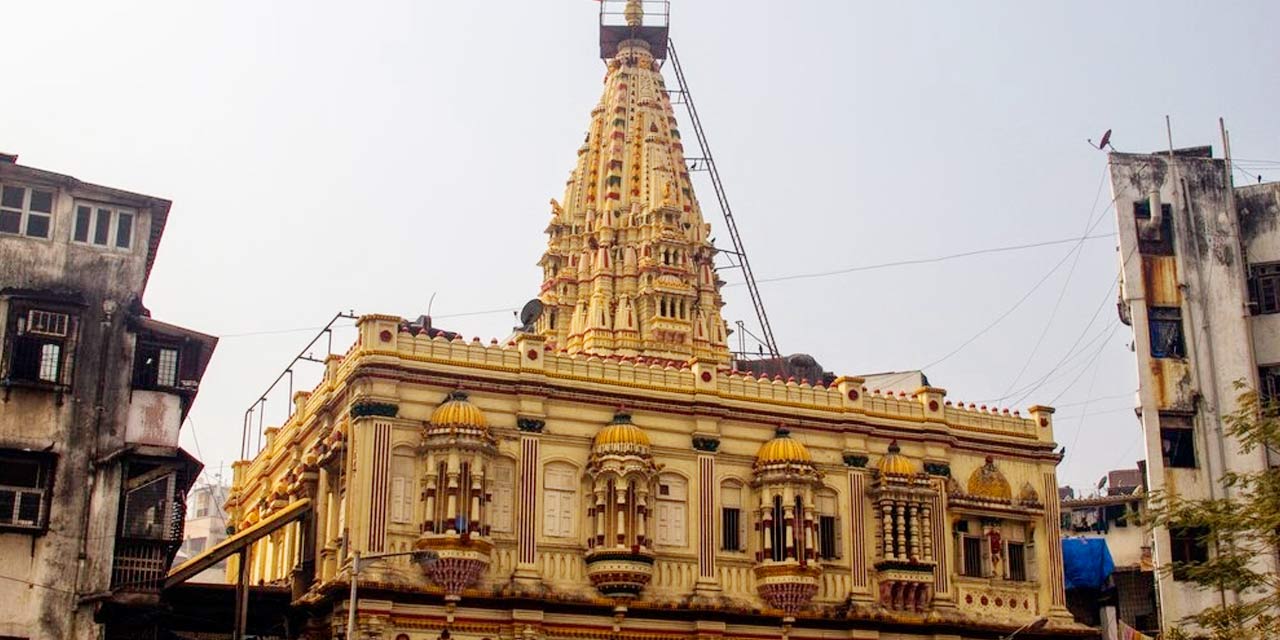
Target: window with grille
column 25, row 481
column 26, row 211
column 971, row 549
column 155, row 366
column 40, row 346
column 1269, row 383
column 149, row 510
column 1017, row 552
column 732, row 524
column 1264, row 288
column 1187, row 546
column 1166, row 332
column 829, row 542
column 1177, row 441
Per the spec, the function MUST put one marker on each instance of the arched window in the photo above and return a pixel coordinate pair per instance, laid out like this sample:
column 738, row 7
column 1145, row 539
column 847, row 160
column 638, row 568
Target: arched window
column 559, row 499
column 733, row 519
column 673, row 493
column 502, row 489
column 830, row 541
column 404, row 492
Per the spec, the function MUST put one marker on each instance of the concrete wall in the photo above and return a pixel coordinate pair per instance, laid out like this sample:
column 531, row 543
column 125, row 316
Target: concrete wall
column 1206, row 279
column 47, row 573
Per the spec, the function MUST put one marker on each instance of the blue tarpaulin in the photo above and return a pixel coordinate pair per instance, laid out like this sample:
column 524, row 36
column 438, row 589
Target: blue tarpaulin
column 1086, row 562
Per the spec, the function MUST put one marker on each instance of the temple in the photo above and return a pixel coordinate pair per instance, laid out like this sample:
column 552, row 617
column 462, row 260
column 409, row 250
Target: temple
column 610, row 471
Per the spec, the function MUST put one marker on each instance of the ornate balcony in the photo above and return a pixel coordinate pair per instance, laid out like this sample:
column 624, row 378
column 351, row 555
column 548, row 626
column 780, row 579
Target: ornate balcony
column 457, row 560
column 620, row 573
column 788, row 585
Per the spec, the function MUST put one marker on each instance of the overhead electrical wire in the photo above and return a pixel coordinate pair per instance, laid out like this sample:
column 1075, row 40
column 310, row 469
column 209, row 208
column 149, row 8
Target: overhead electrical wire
column 1066, row 283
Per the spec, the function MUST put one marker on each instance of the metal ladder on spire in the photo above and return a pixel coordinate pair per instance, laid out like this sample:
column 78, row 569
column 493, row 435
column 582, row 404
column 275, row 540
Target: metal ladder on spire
column 707, row 163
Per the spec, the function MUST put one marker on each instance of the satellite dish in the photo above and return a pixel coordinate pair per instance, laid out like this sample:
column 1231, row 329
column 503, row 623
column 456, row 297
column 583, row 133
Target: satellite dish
column 530, row 313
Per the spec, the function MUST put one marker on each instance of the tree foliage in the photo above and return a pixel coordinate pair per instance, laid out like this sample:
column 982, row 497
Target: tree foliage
column 1239, row 527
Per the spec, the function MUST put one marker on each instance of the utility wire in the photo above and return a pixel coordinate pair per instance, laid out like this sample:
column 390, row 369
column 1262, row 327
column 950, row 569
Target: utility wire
column 930, row 260
column 1079, row 249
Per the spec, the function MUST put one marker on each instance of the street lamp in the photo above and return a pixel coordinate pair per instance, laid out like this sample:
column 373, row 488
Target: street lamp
column 1034, row 625
column 358, row 562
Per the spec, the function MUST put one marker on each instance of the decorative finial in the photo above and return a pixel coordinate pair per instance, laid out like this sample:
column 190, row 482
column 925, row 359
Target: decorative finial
column 783, row 432
column 893, row 447
column 634, row 13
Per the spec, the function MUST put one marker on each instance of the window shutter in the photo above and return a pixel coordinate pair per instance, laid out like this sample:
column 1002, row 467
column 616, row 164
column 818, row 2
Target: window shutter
column 678, row 524
column 566, row 513
column 551, row 513
column 839, row 538
column 397, row 500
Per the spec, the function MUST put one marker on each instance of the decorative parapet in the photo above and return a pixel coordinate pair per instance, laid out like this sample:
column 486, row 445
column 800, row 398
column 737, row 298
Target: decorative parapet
column 1011, row 602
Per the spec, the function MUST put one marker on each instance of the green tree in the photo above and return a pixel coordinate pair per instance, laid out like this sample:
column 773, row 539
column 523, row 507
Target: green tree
column 1237, row 528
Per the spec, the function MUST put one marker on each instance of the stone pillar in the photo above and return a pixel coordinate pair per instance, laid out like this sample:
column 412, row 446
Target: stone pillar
column 886, row 515
column 708, row 581
column 526, row 573
column 620, row 507
column 926, row 531
column 899, row 543
column 916, row 533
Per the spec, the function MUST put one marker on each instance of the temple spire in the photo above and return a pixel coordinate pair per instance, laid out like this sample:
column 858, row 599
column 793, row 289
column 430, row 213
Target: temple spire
column 629, row 268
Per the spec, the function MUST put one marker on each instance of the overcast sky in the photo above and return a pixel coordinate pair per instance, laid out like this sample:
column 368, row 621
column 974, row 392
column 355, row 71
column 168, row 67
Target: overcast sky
column 326, row 156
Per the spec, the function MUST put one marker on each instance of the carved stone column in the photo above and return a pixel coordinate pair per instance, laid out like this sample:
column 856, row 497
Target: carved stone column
column 526, row 573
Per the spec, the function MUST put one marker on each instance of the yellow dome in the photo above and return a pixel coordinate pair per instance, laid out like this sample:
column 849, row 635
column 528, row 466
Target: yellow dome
column 988, row 482
column 895, row 464
column 457, row 412
column 783, row 450
column 621, row 437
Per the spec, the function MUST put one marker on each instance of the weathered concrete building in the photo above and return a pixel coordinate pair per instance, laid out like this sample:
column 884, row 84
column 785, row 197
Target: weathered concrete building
column 610, row 471
column 1200, row 285
column 92, row 394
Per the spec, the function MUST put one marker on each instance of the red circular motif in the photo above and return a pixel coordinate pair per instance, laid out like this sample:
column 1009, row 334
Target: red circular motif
column 968, row 599
column 385, row 336
column 999, row 602
column 706, row 376
column 984, row 601
column 1025, row 605
column 853, row 395
column 1044, row 422
column 1013, row 604
column 933, row 405
column 533, row 354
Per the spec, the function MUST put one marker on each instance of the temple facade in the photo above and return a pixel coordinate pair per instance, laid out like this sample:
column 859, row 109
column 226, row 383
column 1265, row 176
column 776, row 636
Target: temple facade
column 610, row 472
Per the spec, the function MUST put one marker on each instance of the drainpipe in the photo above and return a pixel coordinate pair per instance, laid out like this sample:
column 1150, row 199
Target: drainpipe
column 99, row 393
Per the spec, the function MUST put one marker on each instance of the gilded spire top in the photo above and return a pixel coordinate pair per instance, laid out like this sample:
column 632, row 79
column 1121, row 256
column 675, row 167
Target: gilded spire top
column 634, row 13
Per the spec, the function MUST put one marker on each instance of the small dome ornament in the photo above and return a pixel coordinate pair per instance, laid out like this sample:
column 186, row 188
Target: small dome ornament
column 457, row 413
column 987, row 482
column 783, row 450
column 895, row 464
column 621, row 437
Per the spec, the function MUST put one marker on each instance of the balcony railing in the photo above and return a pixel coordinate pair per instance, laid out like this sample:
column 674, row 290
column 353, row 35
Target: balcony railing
column 141, row 565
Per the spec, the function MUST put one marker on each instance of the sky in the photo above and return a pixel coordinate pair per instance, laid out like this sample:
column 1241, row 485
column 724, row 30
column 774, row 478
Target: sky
column 326, row 156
